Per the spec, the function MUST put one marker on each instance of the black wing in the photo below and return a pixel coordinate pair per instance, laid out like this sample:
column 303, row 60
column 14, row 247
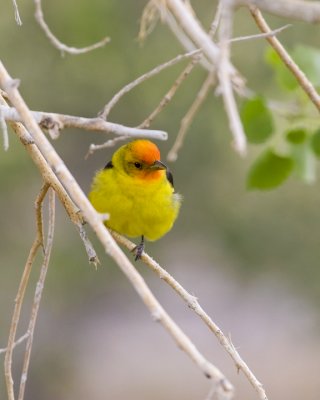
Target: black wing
column 109, row 165
column 169, row 177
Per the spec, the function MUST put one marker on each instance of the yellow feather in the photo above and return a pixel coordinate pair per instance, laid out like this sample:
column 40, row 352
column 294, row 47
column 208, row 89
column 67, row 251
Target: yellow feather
column 139, row 202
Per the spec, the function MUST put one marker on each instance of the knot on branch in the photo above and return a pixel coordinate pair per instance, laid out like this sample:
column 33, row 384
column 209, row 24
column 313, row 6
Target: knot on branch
column 53, row 126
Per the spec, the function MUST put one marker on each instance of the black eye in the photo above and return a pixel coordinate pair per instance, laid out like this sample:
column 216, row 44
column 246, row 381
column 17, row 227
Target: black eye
column 137, row 165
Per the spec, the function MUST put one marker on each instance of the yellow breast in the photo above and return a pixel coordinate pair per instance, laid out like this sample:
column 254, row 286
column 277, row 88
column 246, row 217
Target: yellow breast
column 136, row 207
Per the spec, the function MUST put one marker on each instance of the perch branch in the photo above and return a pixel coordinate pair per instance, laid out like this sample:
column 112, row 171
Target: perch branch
column 303, row 81
column 193, row 304
column 38, row 293
column 38, row 242
column 224, row 387
column 56, row 122
column 107, row 108
column 56, row 43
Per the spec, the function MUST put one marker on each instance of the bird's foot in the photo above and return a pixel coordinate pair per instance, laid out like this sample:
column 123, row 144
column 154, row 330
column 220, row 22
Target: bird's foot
column 138, row 250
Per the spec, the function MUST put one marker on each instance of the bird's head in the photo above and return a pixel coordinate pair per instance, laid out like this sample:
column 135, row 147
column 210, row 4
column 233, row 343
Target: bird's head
column 140, row 159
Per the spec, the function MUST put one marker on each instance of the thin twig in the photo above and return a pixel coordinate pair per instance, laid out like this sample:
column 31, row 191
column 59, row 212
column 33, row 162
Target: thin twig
column 189, row 116
column 215, row 23
column 109, row 143
column 17, row 342
column 21, row 292
column 261, row 35
column 303, row 81
column 38, row 293
column 193, row 304
column 169, row 95
column 56, row 43
column 224, row 387
column 16, row 13
column 107, row 108
column 54, row 121
column 92, row 255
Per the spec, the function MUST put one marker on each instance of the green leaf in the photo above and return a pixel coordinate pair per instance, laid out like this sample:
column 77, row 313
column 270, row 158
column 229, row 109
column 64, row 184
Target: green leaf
column 308, row 59
column 315, row 143
column 257, row 120
column 284, row 77
column 269, row 171
column 296, row 135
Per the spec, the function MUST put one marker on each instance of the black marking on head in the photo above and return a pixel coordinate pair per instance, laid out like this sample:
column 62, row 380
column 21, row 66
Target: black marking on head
column 169, row 177
column 109, row 165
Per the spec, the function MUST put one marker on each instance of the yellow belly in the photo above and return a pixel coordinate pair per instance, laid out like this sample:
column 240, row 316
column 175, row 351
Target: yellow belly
column 135, row 207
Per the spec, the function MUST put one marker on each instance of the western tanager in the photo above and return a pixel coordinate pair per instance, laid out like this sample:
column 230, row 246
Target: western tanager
column 136, row 189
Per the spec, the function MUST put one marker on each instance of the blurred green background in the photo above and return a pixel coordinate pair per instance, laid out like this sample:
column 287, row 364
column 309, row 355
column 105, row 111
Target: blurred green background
column 252, row 258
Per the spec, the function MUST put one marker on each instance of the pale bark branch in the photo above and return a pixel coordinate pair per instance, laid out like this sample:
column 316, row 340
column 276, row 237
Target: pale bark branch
column 57, row 122
column 56, row 43
column 38, row 293
column 38, row 242
column 224, row 388
column 194, row 305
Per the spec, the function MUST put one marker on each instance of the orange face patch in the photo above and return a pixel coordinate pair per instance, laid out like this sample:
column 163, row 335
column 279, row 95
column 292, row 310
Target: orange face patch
column 145, row 151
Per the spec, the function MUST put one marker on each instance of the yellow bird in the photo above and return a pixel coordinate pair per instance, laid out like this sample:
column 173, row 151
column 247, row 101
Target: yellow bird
column 136, row 189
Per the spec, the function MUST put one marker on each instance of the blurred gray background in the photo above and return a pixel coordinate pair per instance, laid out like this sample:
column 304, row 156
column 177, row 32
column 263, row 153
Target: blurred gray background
column 252, row 258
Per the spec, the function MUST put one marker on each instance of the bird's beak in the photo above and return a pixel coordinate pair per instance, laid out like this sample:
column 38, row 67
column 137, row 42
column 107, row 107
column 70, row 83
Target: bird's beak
column 158, row 165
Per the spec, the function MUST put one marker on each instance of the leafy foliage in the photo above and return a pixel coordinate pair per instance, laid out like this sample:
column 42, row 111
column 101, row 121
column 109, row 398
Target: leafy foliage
column 269, row 171
column 257, row 120
column 299, row 144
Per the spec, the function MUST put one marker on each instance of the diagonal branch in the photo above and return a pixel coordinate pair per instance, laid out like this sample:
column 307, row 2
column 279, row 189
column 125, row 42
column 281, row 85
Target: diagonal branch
column 302, row 79
column 224, row 388
column 193, row 304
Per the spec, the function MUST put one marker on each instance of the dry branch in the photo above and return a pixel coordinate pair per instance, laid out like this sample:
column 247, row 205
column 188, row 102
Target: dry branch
column 193, row 304
column 224, row 388
column 303, row 81
column 38, row 242
column 56, row 122
column 38, row 293
column 56, row 43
